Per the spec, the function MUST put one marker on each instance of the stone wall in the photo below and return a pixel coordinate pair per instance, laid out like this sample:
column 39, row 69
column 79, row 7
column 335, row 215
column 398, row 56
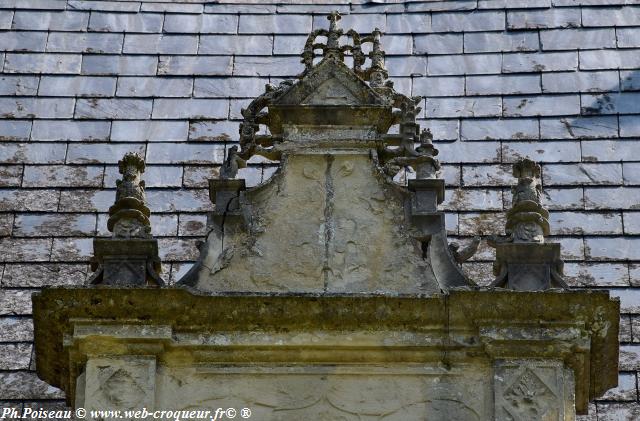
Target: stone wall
column 86, row 81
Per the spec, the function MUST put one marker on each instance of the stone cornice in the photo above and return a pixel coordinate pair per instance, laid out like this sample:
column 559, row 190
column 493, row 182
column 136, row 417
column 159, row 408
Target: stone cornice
column 579, row 328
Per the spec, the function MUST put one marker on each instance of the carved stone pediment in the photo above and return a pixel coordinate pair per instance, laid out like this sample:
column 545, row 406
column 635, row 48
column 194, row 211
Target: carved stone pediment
column 331, row 82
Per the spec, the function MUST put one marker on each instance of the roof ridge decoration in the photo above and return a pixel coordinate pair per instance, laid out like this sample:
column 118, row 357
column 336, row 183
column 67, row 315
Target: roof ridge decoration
column 524, row 260
column 130, row 256
column 380, row 93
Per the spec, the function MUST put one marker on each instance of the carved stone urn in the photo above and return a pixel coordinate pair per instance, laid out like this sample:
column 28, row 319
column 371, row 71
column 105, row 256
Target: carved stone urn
column 330, row 291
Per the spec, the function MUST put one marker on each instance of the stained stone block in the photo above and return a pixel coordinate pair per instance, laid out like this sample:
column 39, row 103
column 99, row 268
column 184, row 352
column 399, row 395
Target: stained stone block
column 25, row 249
column 192, row 225
column 18, row 85
column 609, row 59
column 10, row 175
column 112, row 108
column 487, row 175
column 468, row 22
column 292, row 24
column 563, row 199
column 627, row 38
column 585, row 223
column 22, row 41
column 32, row 153
column 467, row 199
column 15, row 357
column 472, row 223
column 596, row 274
column 438, row 86
column 16, row 329
column 15, row 129
column 26, row 385
column 572, row 39
column 87, row 42
column 201, row 65
column 71, row 249
column 86, row 200
column 171, row 8
column 631, row 173
column 36, row 107
column 42, row 63
column 539, row 19
column 44, row 225
column 43, row 274
column 629, row 126
column 268, row 66
column 15, row 302
column 160, row 43
column 608, row 150
column 5, row 19
column 205, row 24
column 463, row 107
column 618, row 411
column 229, row 87
column 503, row 84
column 196, row 176
column 469, row 152
column 102, row 5
column 602, row 198
column 614, row 248
column 579, row 174
column 541, row 105
column 464, row 64
column 149, row 130
column 579, row 128
column 127, row 22
column 487, row 42
column 100, row 153
column 288, row 44
column 63, row 176
column 539, row 62
column 179, row 201
column 250, row 45
column 438, row 43
column 154, row 86
column 77, row 86
column 404, row 23
column 618, row 16
column 190, row 108
column 119, row 65
column 73, row 130
column 552, row 152
column 580, row 82
column 29, row 200
column 490, row 129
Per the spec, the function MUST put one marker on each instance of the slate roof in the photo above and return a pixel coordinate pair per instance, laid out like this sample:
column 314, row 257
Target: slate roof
column 83, row 82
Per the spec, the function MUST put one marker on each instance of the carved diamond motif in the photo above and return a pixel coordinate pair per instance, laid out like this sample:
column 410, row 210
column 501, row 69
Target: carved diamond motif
column 529, row 398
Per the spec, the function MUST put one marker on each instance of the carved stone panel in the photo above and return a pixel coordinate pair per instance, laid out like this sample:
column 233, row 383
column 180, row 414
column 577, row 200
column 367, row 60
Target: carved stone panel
column 293, row 393
column 119, row 383
column 533, row 391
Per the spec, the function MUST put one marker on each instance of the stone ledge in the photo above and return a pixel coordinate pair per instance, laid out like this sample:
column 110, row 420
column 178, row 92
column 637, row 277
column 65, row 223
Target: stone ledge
column 465, row 325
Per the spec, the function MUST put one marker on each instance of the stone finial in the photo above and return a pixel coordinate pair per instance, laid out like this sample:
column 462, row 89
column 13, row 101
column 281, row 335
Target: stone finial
column 129, row 216
column 130, row 256
column 527, row 220
column 524, row 261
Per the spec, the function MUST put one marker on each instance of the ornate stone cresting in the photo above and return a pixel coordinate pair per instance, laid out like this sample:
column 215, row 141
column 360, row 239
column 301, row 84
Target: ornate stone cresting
column 331, row 132
column 524, row 261
column 130, row 256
